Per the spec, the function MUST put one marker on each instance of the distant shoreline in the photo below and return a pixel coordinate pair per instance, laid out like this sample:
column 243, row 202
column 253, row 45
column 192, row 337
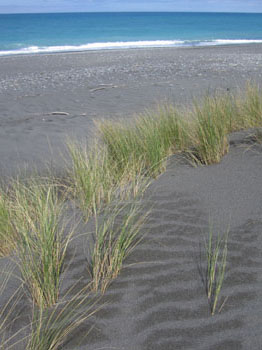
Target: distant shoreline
column 136, row 45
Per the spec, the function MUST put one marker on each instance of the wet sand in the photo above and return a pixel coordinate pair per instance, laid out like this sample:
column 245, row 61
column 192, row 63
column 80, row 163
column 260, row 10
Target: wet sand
column 158, row 301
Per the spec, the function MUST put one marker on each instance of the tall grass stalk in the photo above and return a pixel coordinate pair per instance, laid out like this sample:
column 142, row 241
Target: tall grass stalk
column 117, row 232
column 7, row 235
column 41, row 243
column 7, row 311
column 216, row 256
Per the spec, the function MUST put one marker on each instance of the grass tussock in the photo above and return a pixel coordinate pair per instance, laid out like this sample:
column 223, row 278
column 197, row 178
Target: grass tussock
column 95, row 179
column 41, row 244
column 91, row 176
column 213, row 120
column 147, row 143
column 216, row 258
column 117, row 233
column 249, row 105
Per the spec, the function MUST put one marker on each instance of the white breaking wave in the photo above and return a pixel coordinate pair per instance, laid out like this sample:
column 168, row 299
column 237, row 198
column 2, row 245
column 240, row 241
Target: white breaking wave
column 125, row 45
column 241, row 41
column 94, row 46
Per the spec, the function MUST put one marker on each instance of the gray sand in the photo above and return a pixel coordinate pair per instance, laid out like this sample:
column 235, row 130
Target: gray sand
column 92, row 85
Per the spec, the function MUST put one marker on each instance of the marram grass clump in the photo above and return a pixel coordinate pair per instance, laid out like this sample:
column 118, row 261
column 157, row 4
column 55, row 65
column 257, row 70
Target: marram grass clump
column 213, row 119
column 216, row 261
column 249, row 104
column 41, row 244
column 90, row 176
column 95, row 179
column 148, row 142
column 117, row 232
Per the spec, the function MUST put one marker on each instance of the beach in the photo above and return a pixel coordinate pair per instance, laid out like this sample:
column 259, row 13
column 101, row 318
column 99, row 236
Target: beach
column 159, row 300
column 105, row 84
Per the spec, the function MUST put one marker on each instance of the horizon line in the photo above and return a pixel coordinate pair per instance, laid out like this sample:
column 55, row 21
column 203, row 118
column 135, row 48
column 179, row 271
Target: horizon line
column 65, row 12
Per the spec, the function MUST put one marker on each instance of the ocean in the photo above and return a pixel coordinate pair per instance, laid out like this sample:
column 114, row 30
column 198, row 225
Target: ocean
column 61, row 32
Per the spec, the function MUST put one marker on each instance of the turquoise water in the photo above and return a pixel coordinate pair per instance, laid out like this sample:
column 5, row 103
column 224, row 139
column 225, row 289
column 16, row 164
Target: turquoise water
column 36, row 33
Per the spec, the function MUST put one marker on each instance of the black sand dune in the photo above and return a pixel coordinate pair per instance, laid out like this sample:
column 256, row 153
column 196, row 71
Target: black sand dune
column 158, row 302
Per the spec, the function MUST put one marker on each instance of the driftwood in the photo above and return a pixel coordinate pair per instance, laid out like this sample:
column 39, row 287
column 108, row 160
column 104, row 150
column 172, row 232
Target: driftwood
column 59, row 113
column 103, row 87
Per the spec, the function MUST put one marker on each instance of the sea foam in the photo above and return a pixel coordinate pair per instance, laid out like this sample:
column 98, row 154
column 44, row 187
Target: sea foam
column 124, row 45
